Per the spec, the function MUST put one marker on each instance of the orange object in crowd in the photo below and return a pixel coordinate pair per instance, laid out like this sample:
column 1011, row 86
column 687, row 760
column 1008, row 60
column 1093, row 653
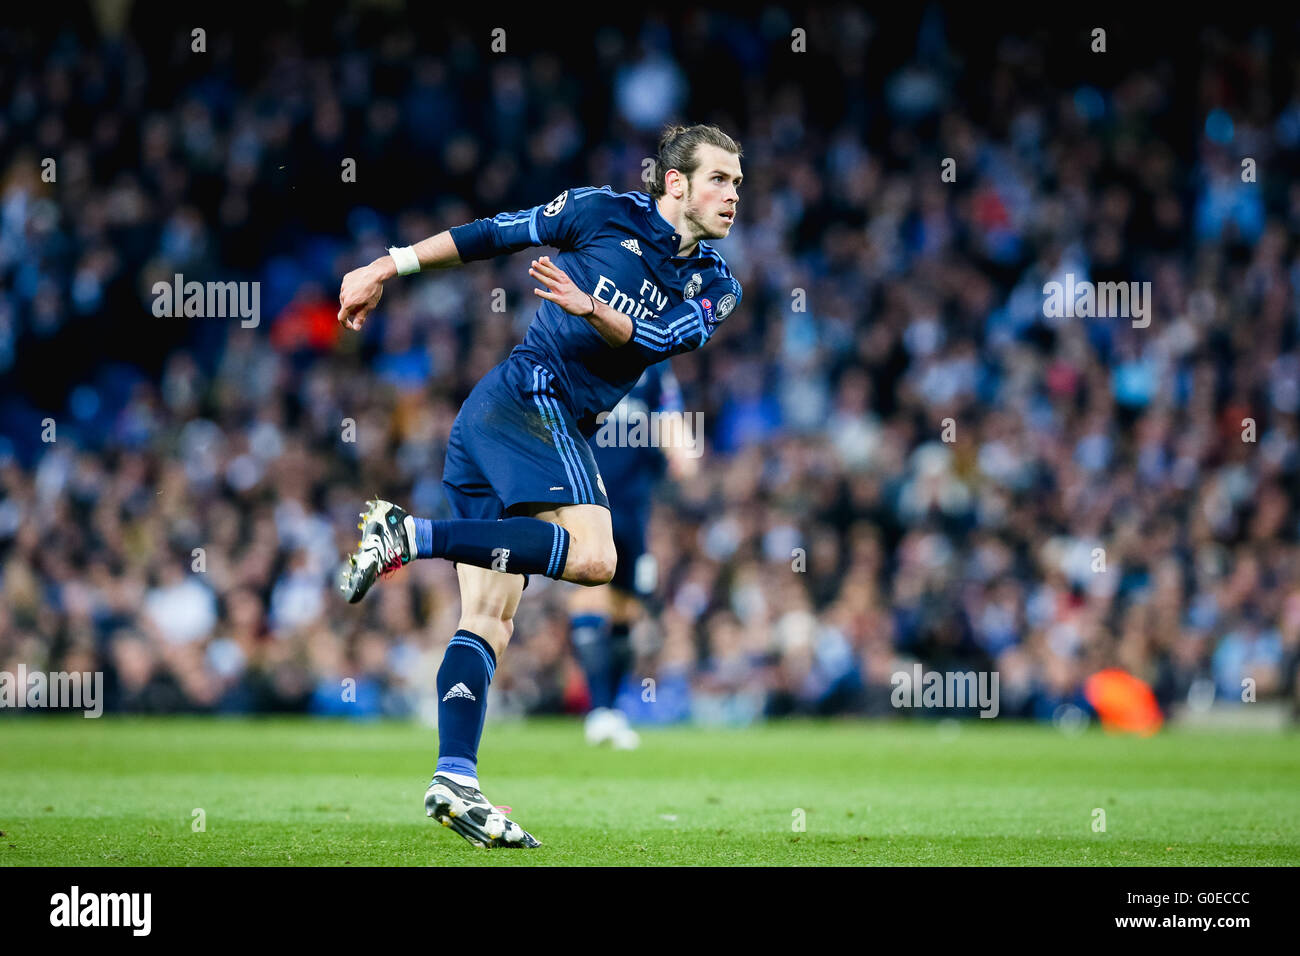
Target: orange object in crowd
column 306, row 324
column 1123, row 702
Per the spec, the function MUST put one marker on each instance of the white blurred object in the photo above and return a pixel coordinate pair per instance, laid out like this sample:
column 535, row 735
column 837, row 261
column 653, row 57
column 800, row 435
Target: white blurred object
column 605, row 725
column 599, row 725
column 649, row 92
column 1070, row 720
column 1200, row 695
column 184, row 611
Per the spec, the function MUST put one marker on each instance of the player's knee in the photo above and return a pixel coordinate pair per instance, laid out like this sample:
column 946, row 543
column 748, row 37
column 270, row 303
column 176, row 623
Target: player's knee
column 491, row 628
column 594, row 564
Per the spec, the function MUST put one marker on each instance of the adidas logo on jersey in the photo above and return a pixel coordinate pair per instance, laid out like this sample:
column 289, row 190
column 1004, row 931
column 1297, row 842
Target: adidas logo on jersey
column 631, row 244
column 459, row 690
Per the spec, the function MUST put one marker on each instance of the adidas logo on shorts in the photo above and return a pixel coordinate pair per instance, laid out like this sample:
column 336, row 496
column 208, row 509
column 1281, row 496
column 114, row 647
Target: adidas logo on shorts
column 631, row 244
column 459, row 690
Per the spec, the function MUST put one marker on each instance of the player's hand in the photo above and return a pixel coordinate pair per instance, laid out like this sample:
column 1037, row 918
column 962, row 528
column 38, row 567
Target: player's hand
column 559, row 287
column 682, row 466
column 359, row 295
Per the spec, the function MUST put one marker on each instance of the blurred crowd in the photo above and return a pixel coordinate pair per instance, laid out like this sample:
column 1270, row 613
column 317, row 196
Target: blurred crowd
column 907, row 460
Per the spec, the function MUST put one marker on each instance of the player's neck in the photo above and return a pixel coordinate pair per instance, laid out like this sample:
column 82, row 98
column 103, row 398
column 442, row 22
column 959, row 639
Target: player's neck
column 675, row 216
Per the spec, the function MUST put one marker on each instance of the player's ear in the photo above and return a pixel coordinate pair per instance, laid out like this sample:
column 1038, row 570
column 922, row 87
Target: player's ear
column 675, row 180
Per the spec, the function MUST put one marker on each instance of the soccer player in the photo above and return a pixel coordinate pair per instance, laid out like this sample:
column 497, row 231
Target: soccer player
column 601, row 617
column 635, row 282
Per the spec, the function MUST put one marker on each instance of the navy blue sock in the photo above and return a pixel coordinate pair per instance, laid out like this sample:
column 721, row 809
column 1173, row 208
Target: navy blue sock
column 423, row 538
column 513, row 545
column 590, row 635
column 463, row 679
column 620, row 656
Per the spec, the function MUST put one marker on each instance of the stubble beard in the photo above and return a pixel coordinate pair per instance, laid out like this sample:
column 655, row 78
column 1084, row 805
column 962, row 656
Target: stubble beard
column 702, row 228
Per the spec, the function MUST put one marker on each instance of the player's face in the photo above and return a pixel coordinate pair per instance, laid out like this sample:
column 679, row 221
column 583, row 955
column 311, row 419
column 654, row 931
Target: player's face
column 712, row 192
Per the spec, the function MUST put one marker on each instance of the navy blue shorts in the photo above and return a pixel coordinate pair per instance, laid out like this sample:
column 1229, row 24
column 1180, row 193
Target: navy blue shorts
column 515, row 442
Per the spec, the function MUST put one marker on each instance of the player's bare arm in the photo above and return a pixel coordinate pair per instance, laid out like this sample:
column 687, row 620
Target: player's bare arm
column 681, row 464
column 614, row 327
column 363, row 287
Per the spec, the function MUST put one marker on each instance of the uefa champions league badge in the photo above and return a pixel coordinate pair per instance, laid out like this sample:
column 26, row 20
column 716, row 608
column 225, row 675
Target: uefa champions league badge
column 707, row 306
column 693, row 286
column 555, row 205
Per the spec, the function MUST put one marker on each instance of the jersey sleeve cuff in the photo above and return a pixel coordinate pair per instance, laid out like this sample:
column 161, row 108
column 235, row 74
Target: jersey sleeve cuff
column 673, row 338
column 473, row 240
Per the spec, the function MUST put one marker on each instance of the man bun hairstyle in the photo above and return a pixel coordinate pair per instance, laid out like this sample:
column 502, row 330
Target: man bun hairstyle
column 678, row 148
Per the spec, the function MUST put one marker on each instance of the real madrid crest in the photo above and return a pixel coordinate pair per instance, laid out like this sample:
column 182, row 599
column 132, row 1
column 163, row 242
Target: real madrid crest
column 693, row 287
column 725, row 305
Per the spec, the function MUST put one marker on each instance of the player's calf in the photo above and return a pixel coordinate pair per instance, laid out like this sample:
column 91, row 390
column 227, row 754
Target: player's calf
column 488, row 603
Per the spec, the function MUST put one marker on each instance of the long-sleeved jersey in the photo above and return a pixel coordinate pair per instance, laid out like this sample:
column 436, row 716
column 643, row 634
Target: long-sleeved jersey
column 619, row 248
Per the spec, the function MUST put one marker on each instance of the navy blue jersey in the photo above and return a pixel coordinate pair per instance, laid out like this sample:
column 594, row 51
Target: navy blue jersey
column 620, row 249
column 630, row 472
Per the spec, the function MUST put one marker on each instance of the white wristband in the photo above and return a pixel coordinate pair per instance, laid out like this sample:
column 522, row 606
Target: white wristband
column 407, row 261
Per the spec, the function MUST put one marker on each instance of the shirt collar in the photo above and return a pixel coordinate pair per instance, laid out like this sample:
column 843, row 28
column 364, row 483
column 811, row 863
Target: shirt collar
column 670, row 233
column 661, row 221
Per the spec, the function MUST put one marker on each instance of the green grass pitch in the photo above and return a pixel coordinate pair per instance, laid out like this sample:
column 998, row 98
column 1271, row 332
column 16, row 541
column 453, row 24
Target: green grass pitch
column 290, row 792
